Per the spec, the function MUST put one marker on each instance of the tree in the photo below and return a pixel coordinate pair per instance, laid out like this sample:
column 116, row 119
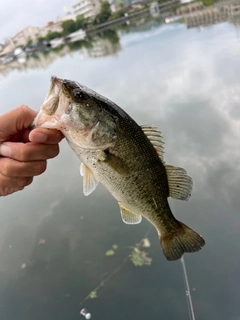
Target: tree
column 104, row 14
column 208, row 2
column 111, row 35
column 53, row 35
column 68, row 27
column 39, row 39
column 80, row 22
column 29, row 42
column 118, row 14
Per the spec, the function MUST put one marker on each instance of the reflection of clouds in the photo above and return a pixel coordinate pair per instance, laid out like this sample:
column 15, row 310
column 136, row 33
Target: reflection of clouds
column 137, row 37
column 177, row 82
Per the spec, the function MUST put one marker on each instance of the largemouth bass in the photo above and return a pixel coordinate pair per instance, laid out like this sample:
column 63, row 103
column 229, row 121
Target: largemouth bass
column 125, row 157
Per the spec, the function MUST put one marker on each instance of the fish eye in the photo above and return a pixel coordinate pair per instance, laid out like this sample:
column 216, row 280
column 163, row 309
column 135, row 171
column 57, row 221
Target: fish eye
column 78, row 94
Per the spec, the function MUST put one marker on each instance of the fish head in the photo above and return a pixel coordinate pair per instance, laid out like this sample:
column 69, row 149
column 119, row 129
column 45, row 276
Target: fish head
column 78, row 114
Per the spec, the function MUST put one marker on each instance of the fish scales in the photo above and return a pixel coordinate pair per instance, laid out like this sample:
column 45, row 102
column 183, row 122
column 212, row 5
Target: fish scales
column 125, row 157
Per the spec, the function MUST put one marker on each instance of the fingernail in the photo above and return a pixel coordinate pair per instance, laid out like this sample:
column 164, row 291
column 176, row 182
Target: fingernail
column 39, row 137
column 5, row 151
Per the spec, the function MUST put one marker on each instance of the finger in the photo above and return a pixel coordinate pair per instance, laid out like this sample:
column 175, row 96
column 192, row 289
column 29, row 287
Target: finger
column 10, row 185
column 48, row 136
column 28, row 151
column 15, row 121
column 13, row 168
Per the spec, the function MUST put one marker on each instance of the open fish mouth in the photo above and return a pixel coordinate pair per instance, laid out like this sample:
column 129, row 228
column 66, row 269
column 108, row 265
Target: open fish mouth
column 52, row 108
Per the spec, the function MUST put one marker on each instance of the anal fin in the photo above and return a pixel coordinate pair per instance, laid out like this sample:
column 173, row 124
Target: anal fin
column 129, row 217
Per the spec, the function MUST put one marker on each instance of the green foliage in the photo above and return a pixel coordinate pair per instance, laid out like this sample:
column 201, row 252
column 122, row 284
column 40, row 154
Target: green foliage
column 118, row 14
column 80, row 22
column 68, row 26
column 40, row 39
column 93, row 295
column 53, row 35
column 110, row 253
column 29, row 42
column 87, row 44
column 110, row 35
column 208, row 2
column 77, row 45
column 139, row 258
column 104, row 14
column 118, row 3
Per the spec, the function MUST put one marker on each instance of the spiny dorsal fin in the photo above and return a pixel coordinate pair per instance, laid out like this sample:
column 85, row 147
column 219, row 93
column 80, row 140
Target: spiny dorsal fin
column 129, row 217
column 89, row 181
column 179, row 183
column 155, row 138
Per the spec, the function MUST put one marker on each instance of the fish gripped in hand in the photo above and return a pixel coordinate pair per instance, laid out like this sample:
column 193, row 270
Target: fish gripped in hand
column 125, row 157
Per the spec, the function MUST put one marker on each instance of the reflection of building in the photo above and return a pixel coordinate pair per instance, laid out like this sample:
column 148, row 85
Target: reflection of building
column 40, row 61
column 88, row 8
column 30, row 33
column 102, row 47
column 190, row 8
column 21, row 38
column 53, row 27
column 220, row 12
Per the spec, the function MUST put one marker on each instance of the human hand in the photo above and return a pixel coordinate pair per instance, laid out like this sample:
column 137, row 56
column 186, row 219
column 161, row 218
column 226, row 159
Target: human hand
column 23, row 153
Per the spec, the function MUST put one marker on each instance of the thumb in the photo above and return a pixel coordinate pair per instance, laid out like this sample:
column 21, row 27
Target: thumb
column 15, row 121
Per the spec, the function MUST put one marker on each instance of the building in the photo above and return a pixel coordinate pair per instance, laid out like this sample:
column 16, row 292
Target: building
column 222, row 11
column 88, row 8
column 51, row 27
column 21, row 38
column 190, row 8
column 29, row 33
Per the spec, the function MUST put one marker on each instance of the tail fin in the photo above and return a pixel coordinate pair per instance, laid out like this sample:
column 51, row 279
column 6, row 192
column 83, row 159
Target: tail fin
column 182, row 240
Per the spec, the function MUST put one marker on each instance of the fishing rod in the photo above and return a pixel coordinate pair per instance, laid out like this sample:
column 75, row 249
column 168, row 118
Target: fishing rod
column 187, row 290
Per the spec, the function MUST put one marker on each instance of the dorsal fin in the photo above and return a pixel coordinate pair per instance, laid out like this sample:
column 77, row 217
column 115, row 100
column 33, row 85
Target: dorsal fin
column 155, row 138
column 179, row 183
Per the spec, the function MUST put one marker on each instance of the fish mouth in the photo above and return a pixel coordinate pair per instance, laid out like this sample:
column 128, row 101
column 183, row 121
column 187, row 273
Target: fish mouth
column 58, row 82
column 43, row 120
column 49, row 114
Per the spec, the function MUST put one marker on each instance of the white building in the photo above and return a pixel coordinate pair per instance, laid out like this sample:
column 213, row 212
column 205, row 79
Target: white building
column 29, row 33
column 88, row 8
column 22, row 37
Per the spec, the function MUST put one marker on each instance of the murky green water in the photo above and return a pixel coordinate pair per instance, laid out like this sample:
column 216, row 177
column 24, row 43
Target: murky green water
column 53, row 239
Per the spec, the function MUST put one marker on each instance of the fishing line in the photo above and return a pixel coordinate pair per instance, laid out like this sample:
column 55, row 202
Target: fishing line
column 187, row 290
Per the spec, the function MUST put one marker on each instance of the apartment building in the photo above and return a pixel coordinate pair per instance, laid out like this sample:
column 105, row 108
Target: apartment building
column 88, row 8
column 51, row 27
column 222, row 11
column 29, row 33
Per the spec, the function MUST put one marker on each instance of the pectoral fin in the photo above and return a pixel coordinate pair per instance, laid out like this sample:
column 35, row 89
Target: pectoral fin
column 89, row 181
column 129, row 217
column 114, row 162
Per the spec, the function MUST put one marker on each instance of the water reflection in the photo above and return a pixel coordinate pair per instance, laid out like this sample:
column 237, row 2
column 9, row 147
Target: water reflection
column 187, row 84
column 107, row 42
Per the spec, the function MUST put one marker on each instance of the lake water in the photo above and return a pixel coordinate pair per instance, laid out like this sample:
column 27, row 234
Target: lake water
column 53, row 240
